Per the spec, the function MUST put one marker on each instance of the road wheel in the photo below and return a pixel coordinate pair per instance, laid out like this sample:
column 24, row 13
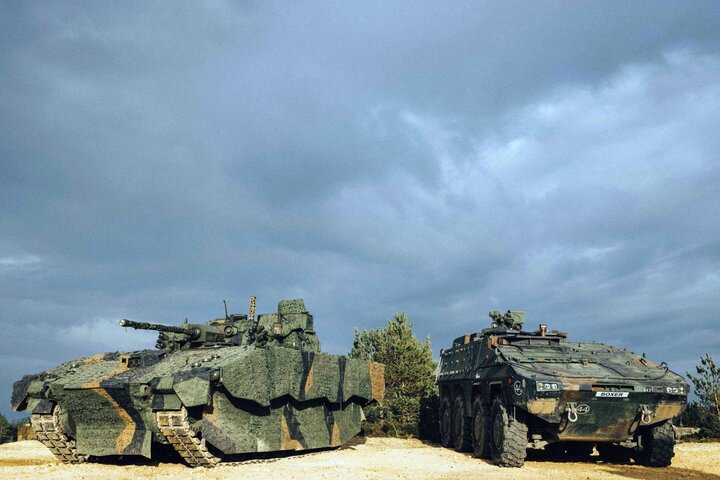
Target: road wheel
column 611, row 453
column 462, row 426
column 508, row 443
column 658, row 444
column 446, row 438
column 481, row 429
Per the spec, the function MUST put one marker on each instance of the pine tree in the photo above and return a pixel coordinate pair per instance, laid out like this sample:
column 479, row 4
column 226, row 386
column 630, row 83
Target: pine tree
column 409, row 375
column 5, row 434
column 707, row 388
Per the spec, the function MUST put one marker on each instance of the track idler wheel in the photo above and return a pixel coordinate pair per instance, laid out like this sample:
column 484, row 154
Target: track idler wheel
column 175, row 426
column 50, row 433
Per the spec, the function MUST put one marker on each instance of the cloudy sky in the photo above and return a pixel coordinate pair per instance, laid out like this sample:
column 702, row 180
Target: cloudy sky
column 439, row 159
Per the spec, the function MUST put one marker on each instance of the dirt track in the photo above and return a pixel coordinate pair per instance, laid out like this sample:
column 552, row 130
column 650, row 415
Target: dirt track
column 372, row 459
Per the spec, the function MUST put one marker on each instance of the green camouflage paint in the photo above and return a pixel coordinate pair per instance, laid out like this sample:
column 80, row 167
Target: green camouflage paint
column 232, row 385
column 552, row 390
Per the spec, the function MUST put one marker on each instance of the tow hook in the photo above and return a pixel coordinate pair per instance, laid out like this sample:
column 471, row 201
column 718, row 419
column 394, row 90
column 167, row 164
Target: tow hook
column 646, row 415
column 571, row 409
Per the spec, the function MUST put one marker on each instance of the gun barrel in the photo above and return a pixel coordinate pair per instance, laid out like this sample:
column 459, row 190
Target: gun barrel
column 153, row 326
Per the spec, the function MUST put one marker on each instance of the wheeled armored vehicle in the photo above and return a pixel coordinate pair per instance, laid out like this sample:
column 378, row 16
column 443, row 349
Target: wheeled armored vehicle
column 230, row 386
column 504, row 389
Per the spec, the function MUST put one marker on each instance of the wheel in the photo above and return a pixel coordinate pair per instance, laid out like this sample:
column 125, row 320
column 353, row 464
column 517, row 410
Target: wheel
column 508, row 443
column 658, row 445
column 612, row 453
column 481, row 429
column 446, row 438
column 462, row 426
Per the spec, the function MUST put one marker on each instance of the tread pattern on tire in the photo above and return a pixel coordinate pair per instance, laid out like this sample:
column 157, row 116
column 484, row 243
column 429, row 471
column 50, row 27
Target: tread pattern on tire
column 446, row 437
column 481, row 440
column 512, row 448
column 175, row 426
column 50, row 433
column 463, row 438
column 658, row 446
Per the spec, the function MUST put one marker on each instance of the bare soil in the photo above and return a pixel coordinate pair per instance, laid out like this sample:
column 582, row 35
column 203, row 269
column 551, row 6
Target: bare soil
column 372, row 458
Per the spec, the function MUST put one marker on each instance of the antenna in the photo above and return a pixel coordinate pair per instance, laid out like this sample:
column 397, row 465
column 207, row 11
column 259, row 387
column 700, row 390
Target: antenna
column 251, row 315
column 226, row 314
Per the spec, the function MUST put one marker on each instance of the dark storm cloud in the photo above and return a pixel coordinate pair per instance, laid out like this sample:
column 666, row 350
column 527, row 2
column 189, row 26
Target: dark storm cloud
column 559, row 157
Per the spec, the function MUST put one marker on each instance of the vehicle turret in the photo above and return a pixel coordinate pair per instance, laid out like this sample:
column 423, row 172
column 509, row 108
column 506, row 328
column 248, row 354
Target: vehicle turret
column 234, row 385
column 225, row 331
column 291, row 327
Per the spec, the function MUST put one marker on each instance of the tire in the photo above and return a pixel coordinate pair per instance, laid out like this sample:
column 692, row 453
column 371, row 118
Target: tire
column 658, row 445
column 612, row 453
column 508, row 443
column 446, row 438
column 462, row 426
column 481, row 429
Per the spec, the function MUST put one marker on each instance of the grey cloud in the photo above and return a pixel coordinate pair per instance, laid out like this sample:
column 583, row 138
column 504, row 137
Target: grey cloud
column 157, row 158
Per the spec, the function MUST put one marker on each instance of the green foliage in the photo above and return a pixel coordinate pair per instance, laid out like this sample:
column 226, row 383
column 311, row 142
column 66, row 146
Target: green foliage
column 409, row 375
column 5, row 430
column 9, row 430
column 705, row 413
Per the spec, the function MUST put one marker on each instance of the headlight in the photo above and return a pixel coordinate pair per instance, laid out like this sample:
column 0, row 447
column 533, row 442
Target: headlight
column 547, row 386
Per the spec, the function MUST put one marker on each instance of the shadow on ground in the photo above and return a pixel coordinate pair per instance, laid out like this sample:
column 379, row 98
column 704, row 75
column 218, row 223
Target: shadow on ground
column 666, row 473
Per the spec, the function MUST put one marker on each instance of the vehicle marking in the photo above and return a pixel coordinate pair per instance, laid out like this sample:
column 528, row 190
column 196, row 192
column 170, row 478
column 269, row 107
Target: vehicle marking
column 612, row 394
column 518, row 388
column 582, row 409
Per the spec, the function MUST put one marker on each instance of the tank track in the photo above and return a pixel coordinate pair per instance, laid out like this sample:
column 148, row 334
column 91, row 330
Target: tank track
column 175, row 426
column 49, row 432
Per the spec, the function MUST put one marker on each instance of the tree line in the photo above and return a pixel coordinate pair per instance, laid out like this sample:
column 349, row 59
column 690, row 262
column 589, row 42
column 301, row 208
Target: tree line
column 9, row 430
column 704, row 413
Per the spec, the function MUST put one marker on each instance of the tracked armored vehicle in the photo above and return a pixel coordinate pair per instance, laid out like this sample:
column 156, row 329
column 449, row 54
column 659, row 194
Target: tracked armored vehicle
column 230, row 386
column 503, row 390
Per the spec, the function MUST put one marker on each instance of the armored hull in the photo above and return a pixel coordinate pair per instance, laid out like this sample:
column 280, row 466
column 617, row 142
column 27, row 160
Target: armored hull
column 264, row 387
column 504, row 390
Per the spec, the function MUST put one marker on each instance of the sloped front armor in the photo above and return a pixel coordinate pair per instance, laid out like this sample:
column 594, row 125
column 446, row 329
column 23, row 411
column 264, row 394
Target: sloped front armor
column 542, row 389
column 250, row 392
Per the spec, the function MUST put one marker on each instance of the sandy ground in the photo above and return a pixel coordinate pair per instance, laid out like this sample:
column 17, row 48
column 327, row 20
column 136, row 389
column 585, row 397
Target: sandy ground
column 374, row 458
